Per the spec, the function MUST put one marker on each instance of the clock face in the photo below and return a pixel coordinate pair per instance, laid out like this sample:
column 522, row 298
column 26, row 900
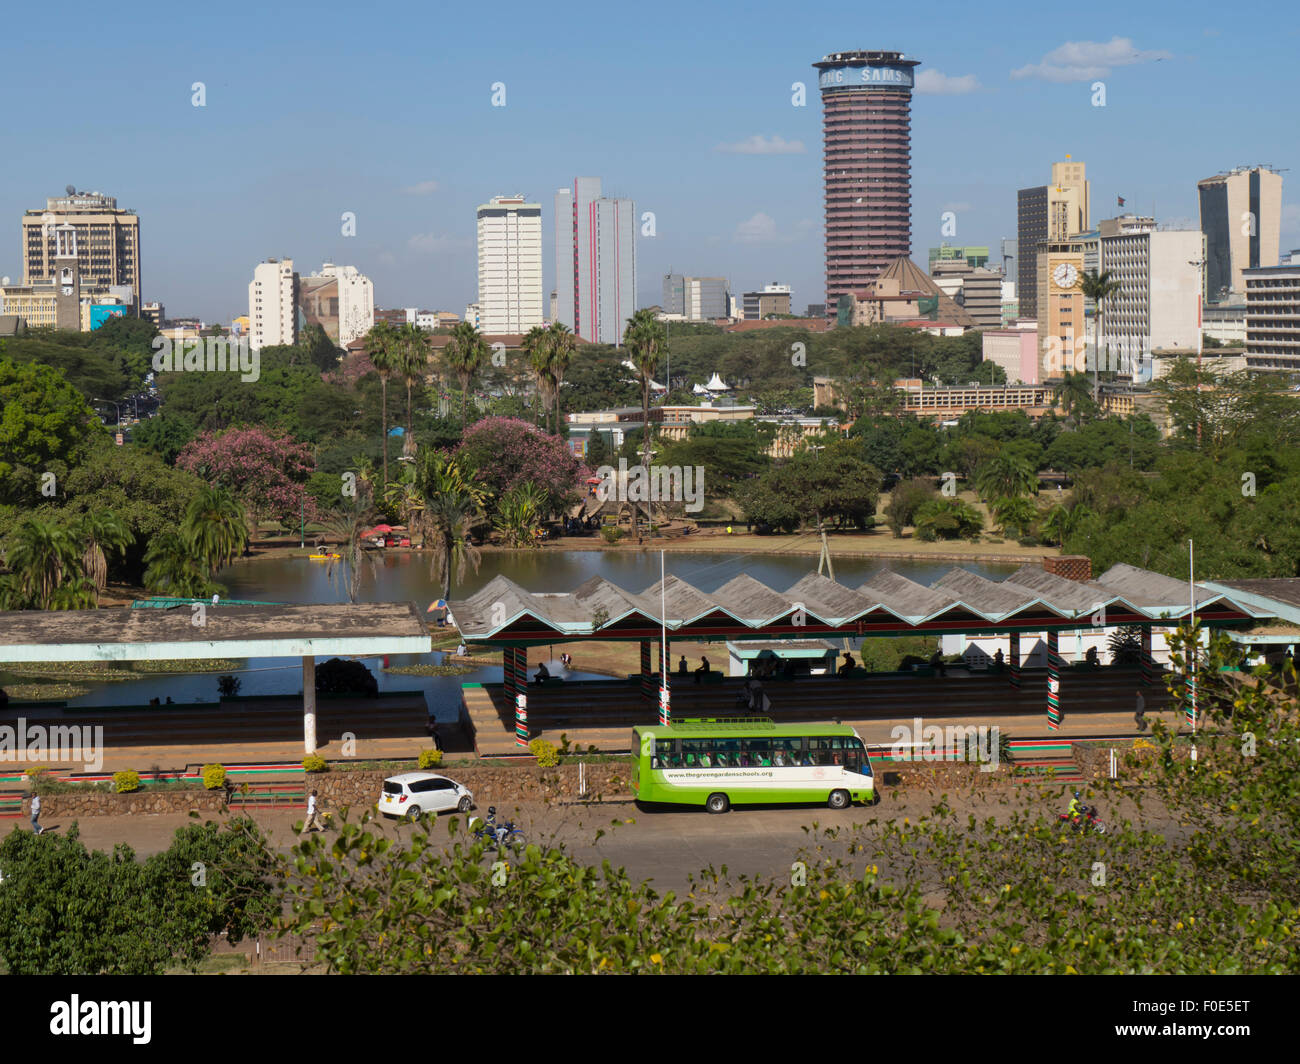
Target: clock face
column 1065, row 275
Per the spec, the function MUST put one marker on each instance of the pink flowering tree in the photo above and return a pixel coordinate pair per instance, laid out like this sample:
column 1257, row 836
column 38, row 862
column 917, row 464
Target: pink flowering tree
column 267, row 474
column 504, row 452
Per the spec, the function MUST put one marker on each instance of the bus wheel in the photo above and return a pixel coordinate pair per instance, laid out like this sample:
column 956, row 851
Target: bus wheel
column 839, row 800
column 717, row 803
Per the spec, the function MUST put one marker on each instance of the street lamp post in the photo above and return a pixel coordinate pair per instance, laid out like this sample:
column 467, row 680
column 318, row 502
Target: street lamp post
column 119, row 413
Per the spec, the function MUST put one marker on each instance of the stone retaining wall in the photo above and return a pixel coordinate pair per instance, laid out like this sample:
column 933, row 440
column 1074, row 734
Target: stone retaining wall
column 491, row 784
column 99, row 803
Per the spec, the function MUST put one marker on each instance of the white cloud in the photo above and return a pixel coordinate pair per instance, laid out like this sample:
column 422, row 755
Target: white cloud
column 940, row 84
column 761, row 228
column 1085, row 60
column 432, row 243
column 424, row 188
column 761, row 145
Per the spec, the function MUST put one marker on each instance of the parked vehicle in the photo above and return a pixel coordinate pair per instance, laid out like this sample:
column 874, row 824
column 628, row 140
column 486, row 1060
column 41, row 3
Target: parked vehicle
column 414, row 793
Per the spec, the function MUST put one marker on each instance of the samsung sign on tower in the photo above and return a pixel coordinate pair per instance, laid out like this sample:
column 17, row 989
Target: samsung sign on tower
column 891, row 76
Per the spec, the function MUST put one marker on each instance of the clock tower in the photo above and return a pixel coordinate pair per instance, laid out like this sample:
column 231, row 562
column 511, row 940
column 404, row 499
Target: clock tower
column 67, row 279
column 1060, row 309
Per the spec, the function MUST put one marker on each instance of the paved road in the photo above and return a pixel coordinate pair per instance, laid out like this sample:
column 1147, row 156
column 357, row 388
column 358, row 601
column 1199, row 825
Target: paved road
column 667, row 846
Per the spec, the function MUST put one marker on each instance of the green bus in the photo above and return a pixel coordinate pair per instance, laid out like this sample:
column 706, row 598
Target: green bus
column 722, row 762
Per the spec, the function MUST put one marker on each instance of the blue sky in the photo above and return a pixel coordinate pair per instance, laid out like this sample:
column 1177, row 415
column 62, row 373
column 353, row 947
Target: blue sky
column 385, row 110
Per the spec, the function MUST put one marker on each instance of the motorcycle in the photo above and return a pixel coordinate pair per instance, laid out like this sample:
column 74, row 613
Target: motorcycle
column 503, row 834
column 1084, row 820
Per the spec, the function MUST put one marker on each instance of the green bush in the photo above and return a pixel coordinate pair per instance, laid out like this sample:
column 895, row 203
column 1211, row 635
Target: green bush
column 430, row 758
column 547, row 753
column 612, row 534
column 126, row 782
column 214, row 777
column 314, row 763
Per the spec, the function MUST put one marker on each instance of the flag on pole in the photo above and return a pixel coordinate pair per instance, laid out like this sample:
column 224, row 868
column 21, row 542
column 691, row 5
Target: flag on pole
column 1121, row 200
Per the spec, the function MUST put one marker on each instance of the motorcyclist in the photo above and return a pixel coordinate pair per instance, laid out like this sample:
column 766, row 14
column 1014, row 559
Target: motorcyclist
column 1076, row 808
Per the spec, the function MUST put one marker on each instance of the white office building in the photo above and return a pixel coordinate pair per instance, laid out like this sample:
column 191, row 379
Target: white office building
column 509, row 266
column 1158, row 303
column 595, row 261
column 273, row 304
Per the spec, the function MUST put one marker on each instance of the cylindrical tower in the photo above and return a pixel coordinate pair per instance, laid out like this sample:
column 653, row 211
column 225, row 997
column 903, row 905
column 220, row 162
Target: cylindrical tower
column 867, row 160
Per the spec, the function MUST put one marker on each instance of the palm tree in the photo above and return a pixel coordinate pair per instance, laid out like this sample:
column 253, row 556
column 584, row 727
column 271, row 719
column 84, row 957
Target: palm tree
column 453, row 506
column 519, row 511
column 172, row 568
column 43, row 556
column 346, row 526
column 1006, row 476
column 1062, row 521
column 1098, row 288
column 536, row 346
column 381, row 347
column 645, row 339
column 101, row 533
column 412, row 362
column 1074, row 394
column 214, row 529
column 465, row 352
column 563, row 346
column 1015, row 514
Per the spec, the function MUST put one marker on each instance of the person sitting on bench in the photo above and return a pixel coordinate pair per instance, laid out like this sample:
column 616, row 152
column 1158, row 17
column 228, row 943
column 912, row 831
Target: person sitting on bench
column 847, row 668
column 936, row 663
column 703, row 670
column 682, row 667
column 543, row 673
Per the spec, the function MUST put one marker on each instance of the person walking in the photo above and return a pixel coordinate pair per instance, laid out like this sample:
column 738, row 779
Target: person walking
column 36, row 814
column 313, row 817
column 432, row 729
column 1140, row 716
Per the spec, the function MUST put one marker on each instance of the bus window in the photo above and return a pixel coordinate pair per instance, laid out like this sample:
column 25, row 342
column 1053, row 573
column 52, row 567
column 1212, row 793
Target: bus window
column 698, row 753
column 820, row 751
column 758, row 752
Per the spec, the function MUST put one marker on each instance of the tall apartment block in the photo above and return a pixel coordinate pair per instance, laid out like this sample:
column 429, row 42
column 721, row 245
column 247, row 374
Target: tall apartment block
column 509, row 265
column 696, row 298
column 1158, row 303
column 273, row 304
column 1273, row 315
column 108, row 240
column 595, row 261
column 1241, row 217
column 339, row 299
column 867, row 166
column 1053, row 212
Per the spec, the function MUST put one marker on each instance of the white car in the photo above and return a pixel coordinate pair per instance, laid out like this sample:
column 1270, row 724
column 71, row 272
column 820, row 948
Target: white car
column 413, row 793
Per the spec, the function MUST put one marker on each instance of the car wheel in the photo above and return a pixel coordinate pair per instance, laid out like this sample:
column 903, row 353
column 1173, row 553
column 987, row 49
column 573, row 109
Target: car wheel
column 463, row 805
column 717, row 803
column 839, row 800
column 413, row 814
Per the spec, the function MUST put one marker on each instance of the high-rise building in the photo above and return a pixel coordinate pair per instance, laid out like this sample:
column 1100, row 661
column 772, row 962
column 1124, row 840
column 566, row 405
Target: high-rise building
column 674, row 297
column 1158, row 302
column 273, row 304
column 1273, row 316
column 1052, row 212
column 773, row 299
column 867, row 166
column 981, row 295
column 340, row 300
column 595, row 261
column 108, row 240
column 1241, row 217
column 509, row 265
column 1010, row 256
column 1059, row 306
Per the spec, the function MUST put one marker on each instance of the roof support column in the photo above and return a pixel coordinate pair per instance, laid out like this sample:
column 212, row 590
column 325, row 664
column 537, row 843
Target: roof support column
column 665, row 711
column 1013, row 659
column 1148, row 662
column 647, row 687
column 516, row 659
column 309, row 703
column 1053, row 682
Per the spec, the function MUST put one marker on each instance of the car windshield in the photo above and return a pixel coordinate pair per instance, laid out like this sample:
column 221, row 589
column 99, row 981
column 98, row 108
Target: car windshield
column 392, row 787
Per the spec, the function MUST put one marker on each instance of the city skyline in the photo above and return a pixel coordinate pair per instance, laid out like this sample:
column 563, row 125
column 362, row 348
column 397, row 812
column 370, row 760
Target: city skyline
column 734, row 180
